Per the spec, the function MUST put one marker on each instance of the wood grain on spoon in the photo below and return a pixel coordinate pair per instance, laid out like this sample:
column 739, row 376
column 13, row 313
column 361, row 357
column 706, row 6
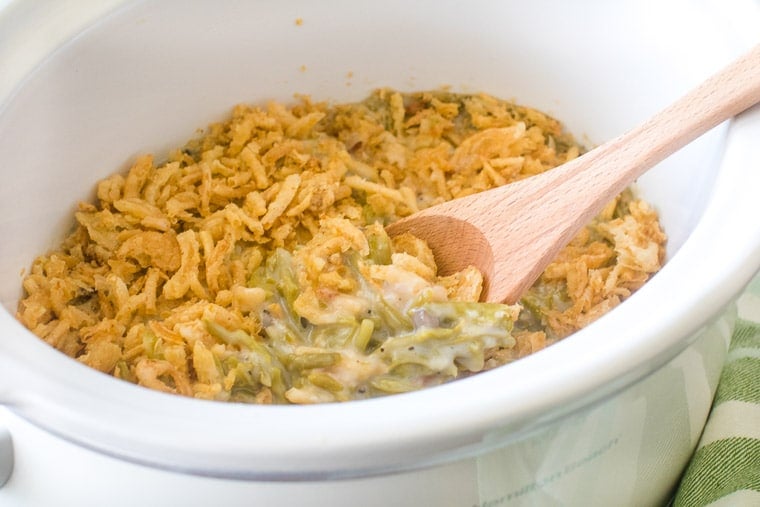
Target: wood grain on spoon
column 511, row 233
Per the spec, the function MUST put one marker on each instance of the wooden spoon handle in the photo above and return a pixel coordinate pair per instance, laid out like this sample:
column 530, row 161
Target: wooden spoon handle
column 725, row 94
column 581, row 188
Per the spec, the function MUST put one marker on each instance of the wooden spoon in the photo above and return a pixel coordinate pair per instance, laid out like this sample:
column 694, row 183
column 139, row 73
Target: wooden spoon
column 511, row 233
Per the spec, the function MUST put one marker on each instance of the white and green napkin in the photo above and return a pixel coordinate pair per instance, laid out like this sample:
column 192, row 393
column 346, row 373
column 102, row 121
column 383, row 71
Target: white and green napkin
column 725, row 469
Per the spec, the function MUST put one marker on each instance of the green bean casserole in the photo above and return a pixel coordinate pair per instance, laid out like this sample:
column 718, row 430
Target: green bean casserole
column 252, row 265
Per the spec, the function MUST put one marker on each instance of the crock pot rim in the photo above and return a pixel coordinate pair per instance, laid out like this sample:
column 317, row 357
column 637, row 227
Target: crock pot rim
column 188, row 407
column 68, row 374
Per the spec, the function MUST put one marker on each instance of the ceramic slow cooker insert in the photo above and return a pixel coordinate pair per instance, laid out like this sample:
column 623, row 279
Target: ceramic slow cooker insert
column 610, row 414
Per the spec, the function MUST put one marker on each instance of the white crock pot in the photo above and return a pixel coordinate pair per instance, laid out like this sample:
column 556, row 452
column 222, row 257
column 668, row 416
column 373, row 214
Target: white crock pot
column 609, row 416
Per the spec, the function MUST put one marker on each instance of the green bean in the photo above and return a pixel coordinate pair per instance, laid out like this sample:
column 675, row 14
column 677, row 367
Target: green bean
column 379, row 246
column 280, row 266
column 325, row 381
column 151, row 344
column 237, row 337
column 393, row 385
column 312, row 360
column 363, row 334
column 278, row 383
column 333, row 336
column 418, row 337
column 493, row 314
column 124, row 372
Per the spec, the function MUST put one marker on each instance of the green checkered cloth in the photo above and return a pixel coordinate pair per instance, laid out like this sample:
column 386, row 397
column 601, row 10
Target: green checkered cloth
column 725, row 469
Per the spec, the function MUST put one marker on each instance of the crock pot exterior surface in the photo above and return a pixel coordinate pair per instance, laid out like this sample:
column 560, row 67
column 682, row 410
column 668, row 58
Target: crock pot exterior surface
column 526, row 421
